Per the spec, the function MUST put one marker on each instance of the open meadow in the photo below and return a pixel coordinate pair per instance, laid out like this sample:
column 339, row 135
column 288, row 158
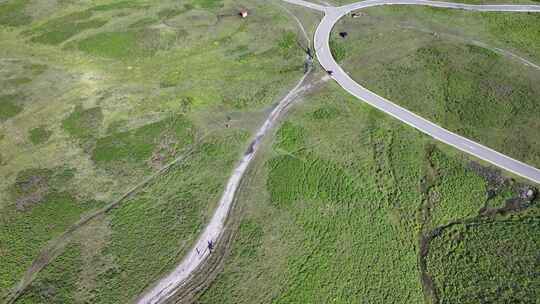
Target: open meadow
column 476, row 74
column 341, row 206
column 96, row 97
column 121, row 121
column 344, row 2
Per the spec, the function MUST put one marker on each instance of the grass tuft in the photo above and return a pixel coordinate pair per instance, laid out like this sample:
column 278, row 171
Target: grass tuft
column 9, row 107
column 12, row 13
column 39, row 135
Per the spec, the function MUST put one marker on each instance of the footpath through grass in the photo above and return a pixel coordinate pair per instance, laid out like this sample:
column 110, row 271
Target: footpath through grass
column 447, row 66
column 146, row 235
column 344, row 2
column 110, row 92
column 338, row 207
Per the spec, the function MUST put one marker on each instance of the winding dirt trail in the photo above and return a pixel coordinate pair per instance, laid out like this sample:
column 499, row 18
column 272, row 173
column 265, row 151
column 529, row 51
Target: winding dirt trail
column 56, row 246
column 165, row 288
column 161, row 291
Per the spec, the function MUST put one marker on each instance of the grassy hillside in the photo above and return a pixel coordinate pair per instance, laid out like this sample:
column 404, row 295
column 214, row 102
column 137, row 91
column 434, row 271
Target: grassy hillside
column 97, row 96
column 132, row 245
column 343, row 204
column 338, row 206
column 463, row 70
column 500, row 256
column 343, row 2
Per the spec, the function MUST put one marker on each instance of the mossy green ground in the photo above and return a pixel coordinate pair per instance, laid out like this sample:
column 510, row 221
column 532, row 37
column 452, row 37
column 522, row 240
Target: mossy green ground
column 344, row 2
column 8, row 107
column 345, row 197
column 447, row 66
column 112, row 91
column 57, row 284
column 336, row 208
column 39, row 135
column 500, row 256
column 334, row 212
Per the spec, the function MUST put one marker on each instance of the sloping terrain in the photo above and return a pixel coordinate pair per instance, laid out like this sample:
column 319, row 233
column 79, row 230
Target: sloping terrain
column 339, row 208
column 97, row 97
column 475, row 74
column 335, row 223
column 132, row 114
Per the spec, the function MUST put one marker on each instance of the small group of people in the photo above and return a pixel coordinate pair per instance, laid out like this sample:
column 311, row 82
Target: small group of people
column 210, row 247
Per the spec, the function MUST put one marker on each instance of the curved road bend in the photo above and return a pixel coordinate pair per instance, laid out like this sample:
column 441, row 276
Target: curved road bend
column 163, row 289
column 321, row 41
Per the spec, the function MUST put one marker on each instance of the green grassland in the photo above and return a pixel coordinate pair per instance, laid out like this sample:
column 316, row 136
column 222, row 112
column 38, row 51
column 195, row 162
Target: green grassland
column 344, row 2
column 55, row 284
column 148, row 233
column 446, row 65
column 39, row 135
column 337, row 205
column 97, row 96
column 499, row 256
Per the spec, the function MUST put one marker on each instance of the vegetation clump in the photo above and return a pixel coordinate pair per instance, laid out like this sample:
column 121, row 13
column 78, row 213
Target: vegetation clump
column 118, row 5
column 58, row 30
column 339, row 50
column 18, row 81
column 82, row 123
column 39, row 135
column 9, row 107
column 290, row 137
column 30, row 187
column 24, row 233
column 56, row 283
column 326, row 113
column 12, row 13
column 118, row 45
column 457, row 193
column 161, row 139
column 500, row 256
column 287, row 44
column 208, row 4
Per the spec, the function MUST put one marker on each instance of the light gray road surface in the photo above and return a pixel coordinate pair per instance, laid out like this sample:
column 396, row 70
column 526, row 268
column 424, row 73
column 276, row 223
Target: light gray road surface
column 321, row 41
column 163, row 289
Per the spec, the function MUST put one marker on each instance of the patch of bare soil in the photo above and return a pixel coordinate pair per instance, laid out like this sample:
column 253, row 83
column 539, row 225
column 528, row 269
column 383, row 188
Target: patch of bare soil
column 523, row 194
column 164, row 151
column 30, row 188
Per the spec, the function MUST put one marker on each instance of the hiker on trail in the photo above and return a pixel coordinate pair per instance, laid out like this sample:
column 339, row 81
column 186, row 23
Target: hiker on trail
column 198, row 252
column 210, row 246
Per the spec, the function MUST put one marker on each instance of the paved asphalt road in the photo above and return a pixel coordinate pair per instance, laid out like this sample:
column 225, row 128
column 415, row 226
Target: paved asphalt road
column 322, row 36
column 165, row 288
